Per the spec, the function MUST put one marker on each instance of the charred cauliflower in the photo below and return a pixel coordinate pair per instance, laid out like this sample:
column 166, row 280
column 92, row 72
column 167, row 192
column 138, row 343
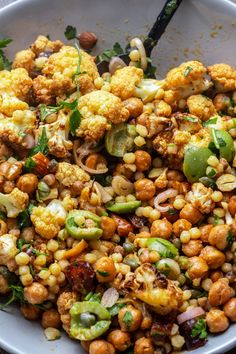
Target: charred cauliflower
column 200, row 198
column 16, row 83
column 99, row 109
column 48, row 220
column 223, row 76
column 201, row 106
column 14, row 203
column 8, row 248
column 185, row 80
column 57, row 132
column 67, row 174
column 124, row 81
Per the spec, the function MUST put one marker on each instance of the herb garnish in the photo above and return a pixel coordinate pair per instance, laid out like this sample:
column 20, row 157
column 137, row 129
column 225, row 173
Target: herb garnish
column 93, row 297
column 218, row 141
column 16, row 295
column 199, row 329
column 211, row 121
column 103, row 273
column 187, row 71
column 23, row 218
column 191, row 119
column 114, row 310
column 128, row 318
column 109, row 53
column 230, row 239
column 70, row 33
column 42, row 145
column 4, row 62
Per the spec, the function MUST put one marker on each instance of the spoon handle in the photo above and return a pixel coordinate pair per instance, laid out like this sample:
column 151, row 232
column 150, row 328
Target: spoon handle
column 160, row 24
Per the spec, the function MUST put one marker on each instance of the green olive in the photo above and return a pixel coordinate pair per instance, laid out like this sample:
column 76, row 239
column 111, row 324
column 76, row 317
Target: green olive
column 195, row 162
column 224, row 143
column 118, row 140
column 169, row 267
column 87, row 319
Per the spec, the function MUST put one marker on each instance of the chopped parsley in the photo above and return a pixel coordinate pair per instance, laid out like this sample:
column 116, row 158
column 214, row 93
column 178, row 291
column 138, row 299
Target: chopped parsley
column 109, row 53
column 211, row 121
column 128, row 318
column 42, row 145
column 199, row 329
column 4, row 62
column 103, row 273
column 191, row 119
column 23, row 218
column 218, row 141
column 93, row 297
column 114, row 310
column 17, row 294
column 208, row 182
column 172, row 211
column 187, row 71
column 70, row 32
column 29, row 164
column 230, row 239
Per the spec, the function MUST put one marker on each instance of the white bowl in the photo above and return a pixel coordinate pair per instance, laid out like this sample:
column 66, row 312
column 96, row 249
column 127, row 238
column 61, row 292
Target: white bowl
column 203, row 29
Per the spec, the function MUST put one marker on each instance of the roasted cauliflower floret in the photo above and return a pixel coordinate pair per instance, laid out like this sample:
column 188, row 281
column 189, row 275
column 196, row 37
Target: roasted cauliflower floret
column 8, row 248
column 9, row 104
column 67, row 174
column 48, row 220
column 64, row 304
column 200, row 198
column 13, row 129
column 14, row 203
column 99, row 109
column 58, row 135
column 223, row 76
column 64, row 64
column 46, row 90
column 24, row 59
column 124, row 81
column 43, row 44
column 201, row 138
column 16, row 83
column 157, row 291
column 201, row 106
column 185, row 80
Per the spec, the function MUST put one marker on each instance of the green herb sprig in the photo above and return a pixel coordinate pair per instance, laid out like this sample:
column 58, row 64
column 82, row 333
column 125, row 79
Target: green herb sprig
column 4, row 62
column 199, row 329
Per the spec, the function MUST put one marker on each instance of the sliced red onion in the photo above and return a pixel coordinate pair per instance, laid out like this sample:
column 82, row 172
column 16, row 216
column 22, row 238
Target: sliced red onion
column 162, row 197
column 190, row 314
column 116, row 63
column 110, row 297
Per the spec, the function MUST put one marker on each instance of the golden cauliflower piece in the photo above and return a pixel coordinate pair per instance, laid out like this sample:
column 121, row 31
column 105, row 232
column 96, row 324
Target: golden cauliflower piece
column 58, row 135
column 124, row 81
column 223, row 76
column 24, row 59
column 201, row 106
column 200, row 198
column 8, row 248
column 43, row 44
column 14, row 203
column 48, row 220
column 9, row 104
column 69, row 203
column 46, row 90
column 99, row 109
column 13, row 129
column 16, row 83
column 201, row 138
column 64, row 64
column 67, row 174
column 64, row 303
column 185, row 80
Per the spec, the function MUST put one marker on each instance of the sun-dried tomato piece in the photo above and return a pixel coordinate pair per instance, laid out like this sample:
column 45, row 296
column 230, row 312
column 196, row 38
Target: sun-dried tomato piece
column 81, row 277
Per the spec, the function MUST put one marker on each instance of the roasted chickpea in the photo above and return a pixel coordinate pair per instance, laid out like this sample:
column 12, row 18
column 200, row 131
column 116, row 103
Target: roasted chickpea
column 4, row 289
column 105, row 270
column 145, row 189
column 49, row 179
column 143, row 160
column 216, row 275
column 218, row 236
column 76, row 188
column 101, row 347
column 170, row 216
column 161, row 228
column 134, row 106
column 143, row 346
column 134, row 318
column 51, row 318
column 109, row 227
column 197, row 267
column 230, row 309
column 221, row 102
column 216, row 321
column 205, row 230
column 122, row 170
column 190, row 213
column 232, row 205
column 85, row 344
column 181, row 225
column 124, row 227
column 30, row 312
column 220, row 292
column 192, row 248
column 174, row 175
column 36, row 293
column 27, row 183
column 213, row 257
column 119, row 339
column 3, row 228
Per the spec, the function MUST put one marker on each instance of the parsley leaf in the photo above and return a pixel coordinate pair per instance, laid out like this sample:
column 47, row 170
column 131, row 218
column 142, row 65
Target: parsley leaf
column 199, row 329
column 75, row 120
column 70, row 33
column 93, row 297
column 42, row 145
column 103, row 273
column 4, row 42
column 230, row 239
column 4, row 62
column 29, row 164
column 114, row 310
column 128, row 318
column 151, row 69
column 46, row 111
column 191, row 119
column 109, row 53
column 187, row 71
column 208, row 182
column 16, row 295
column 172, row 211
column 23, row 218
column 211, row 121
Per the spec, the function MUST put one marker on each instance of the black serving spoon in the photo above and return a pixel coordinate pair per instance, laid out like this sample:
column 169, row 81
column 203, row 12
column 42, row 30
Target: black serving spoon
column 153, row 36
